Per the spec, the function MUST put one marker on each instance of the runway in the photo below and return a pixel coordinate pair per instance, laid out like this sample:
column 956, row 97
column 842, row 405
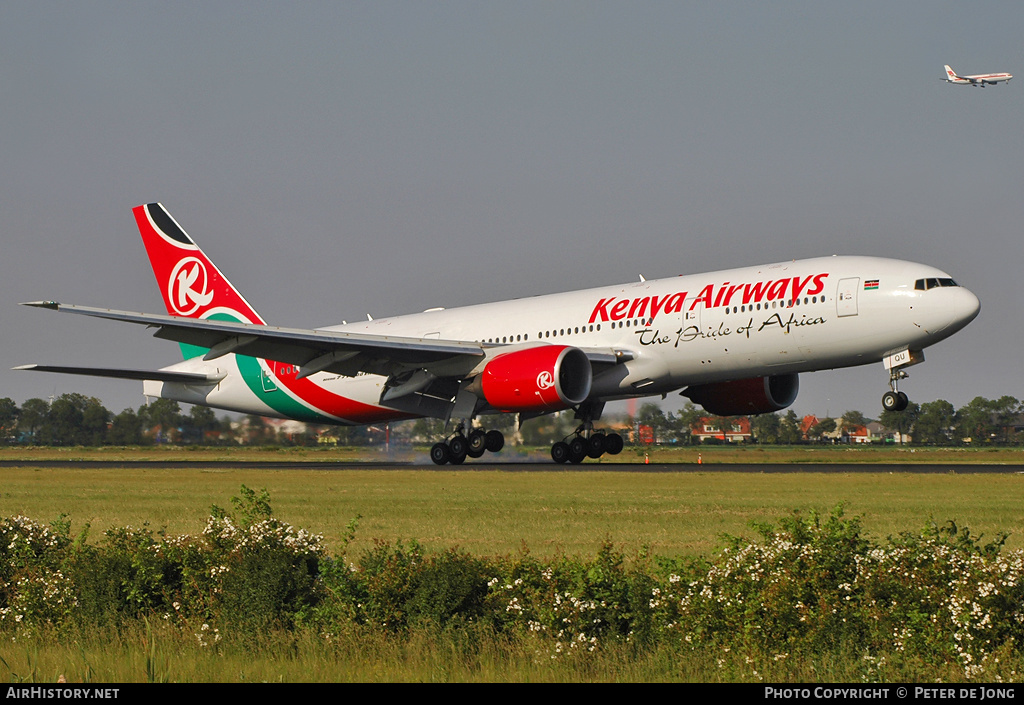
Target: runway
column 534, row 466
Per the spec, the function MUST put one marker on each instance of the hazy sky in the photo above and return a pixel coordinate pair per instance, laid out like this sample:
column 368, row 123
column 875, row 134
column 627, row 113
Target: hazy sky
column 343, row 158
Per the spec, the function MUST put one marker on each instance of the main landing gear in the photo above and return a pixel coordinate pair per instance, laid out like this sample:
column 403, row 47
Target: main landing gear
column 460, row 446
column 583, row 443
column 894, row 399
column 586, row 443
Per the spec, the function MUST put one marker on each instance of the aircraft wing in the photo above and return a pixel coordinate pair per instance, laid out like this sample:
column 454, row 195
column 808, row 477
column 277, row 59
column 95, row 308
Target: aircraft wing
column 312, row 350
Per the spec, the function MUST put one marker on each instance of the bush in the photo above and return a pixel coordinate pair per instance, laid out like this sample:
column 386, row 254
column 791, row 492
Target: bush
column 262, row 571
column 34, row 588
column 812, row 585
column 792, row 589
column 450, row 587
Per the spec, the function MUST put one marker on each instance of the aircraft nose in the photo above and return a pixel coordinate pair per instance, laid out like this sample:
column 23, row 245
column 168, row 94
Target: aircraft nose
column 966, row 308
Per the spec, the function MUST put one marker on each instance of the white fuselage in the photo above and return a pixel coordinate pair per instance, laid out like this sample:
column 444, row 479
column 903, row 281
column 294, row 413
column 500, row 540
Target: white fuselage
column 977, row 79
column 741, row 323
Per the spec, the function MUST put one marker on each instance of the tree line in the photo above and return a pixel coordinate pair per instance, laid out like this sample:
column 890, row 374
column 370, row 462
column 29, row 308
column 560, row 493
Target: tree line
column 980, row 421
column 76, row 420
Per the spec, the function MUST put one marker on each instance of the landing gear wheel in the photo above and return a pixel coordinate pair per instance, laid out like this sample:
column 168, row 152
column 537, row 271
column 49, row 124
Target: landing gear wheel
column 613, row 444
column 477, row 443
column 440, row 453
column 577, row 449
column 595, row 446
column 560, row 452
column 458, row 446
column 890, row 401
column 895, row 401
column 494, row 441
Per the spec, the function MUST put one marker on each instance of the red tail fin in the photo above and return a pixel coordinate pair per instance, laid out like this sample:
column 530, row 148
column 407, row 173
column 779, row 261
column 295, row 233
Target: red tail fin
column 190, row 283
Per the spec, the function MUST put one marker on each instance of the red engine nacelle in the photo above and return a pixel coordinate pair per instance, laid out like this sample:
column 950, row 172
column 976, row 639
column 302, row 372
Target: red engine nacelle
column 542, row 378
column 757, row 395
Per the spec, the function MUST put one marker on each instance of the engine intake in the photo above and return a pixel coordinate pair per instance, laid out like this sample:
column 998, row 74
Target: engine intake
column 541, row 378
column 757, row 395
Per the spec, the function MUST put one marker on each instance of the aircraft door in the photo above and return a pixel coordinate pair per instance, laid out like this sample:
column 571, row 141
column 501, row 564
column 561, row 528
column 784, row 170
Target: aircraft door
column 692, row 318
column 846, row 297
column 269, row 385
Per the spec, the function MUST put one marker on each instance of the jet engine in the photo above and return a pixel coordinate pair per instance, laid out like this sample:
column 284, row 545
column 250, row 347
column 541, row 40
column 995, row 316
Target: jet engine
column 756, row 395
column 542, row 378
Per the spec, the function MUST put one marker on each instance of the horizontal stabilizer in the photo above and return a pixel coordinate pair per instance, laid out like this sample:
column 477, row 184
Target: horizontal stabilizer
column 119, row 373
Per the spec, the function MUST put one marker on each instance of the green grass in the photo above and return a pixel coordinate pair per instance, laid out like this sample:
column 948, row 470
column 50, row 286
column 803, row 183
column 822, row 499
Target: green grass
column 494, row 512
column 164, row 654
column 488, row 512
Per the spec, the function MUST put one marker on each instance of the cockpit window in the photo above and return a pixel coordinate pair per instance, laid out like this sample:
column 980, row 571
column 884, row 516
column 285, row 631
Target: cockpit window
column 933, row 282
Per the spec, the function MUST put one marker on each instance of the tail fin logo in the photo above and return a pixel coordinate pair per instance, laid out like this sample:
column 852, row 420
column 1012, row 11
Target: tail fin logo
column 188, row 288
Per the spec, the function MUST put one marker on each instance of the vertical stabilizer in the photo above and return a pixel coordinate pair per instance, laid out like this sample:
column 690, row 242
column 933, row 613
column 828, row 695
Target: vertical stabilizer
column 190, row 283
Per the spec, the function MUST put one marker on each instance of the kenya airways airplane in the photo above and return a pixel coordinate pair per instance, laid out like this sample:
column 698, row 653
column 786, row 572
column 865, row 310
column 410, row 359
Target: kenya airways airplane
column 733, row 341
column 979, row 80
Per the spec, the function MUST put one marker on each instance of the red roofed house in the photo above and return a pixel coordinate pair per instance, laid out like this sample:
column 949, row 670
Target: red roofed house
column 806, row 424
column 710, row 427
column 856, row 434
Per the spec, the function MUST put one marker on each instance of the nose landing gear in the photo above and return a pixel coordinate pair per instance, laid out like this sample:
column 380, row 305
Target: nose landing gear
column 894, row 399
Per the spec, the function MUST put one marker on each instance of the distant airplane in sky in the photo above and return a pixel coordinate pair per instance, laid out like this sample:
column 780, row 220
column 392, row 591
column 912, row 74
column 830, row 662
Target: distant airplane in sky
column 980, row 80
column 733, row 341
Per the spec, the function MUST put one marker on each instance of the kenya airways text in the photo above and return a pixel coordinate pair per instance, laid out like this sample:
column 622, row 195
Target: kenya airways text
column 711, row 296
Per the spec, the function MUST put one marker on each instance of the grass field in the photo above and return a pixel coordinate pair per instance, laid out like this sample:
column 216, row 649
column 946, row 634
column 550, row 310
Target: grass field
column 728, row 454
column 490, row 512
column 493, row 512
